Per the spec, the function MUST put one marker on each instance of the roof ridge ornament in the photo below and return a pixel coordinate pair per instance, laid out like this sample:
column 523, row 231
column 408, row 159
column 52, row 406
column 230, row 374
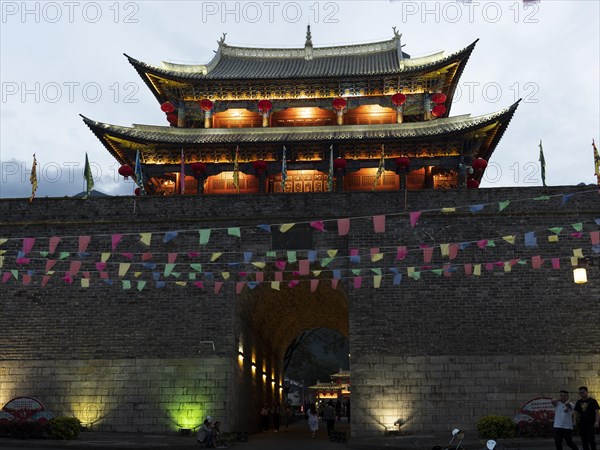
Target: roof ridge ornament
column 221, row 41
column 399, row 45
column 308, row 45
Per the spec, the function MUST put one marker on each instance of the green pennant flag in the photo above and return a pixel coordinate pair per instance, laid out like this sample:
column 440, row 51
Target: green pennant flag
column 141, row 285
column 502, row 205
column 577, row 226
column 556, row 230
column 204, row 236
column 126, row 284
column 235, row 231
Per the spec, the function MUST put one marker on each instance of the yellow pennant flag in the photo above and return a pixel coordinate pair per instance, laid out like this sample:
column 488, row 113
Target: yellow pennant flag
column 577, row 253
column 225, row 275
column 377, row 281
column 215, row 256
column 123, row 268
column 445, row 249
column 260, row 265
column 316, row 273
column 275, row 285
column 85, row 282
column 477, row 270
column 145, row 238
column 104, row 257
column 3, row 241
column 507, row 266
column 509, row 239
column 137, row 274
column 376, row 257
column 448, row 210
column 181, row 283
column 286, row 227
column 553, row 238
column 332, row 253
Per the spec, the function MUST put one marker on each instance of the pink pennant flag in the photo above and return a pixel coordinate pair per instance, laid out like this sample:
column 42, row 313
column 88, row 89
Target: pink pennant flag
column 129, row 256
column 357, row 282
column 243, row 274
column 536, row 262
column 293, row 283
column 427, row 254
column 75, row 266
column 45, row 280
column 374, row 251
column 6, row 276
column 67, row 279
column 218, row 286
column 303, row 267
column 260, row 277
column 104, row 275
column 379, row 224
column 555, row 263
column 84, row 241
column 354, row 252
column 146, row 256
column 100, row 266
column 26, row 279
column 239, row 286
column 280, row 265
column 482, row 243
column 468, row 269
column 343, row 226
column 86, row 274
column 172, row 257
column 53, row 243
column 279, row 276
column 334, row 283
column 578, row 234
column 319, row 225
column 414, row 218
column 115, row 239
column 595, row 237
column 447, row 272
column 313, row 285
column 453, row 251
column 489, row 267
column 295, row 274
column 401, row 253
column 23, row 260
column 50, row 264
column 28, row 244
column 193, row 254
column 199, row 284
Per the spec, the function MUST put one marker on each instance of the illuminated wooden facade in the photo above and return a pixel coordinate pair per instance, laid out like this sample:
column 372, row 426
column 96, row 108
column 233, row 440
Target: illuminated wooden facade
column 338, row 388
column 344, row 98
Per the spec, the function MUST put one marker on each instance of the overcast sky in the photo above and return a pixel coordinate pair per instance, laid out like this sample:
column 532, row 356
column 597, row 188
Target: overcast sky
column 62, row 59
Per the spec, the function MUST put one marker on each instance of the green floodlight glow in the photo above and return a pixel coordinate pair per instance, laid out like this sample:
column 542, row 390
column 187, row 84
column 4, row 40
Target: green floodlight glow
column 186, row 415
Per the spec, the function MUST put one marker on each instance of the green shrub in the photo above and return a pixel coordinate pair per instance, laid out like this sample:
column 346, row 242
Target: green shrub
column 64, row 428
column 496, row 427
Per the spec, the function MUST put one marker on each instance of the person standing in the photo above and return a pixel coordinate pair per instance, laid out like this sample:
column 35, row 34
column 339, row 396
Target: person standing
column 313, row 419
column 264, row 418
column 587, row 412
column 276, row 416
column 563, row 421
column 329, row 416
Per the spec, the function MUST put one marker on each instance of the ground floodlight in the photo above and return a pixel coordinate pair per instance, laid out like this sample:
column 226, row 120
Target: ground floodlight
column 458, row 435
column 491, row 444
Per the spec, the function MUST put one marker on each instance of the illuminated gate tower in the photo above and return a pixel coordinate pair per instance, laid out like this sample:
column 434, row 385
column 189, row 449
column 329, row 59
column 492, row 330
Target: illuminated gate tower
column 355, row 100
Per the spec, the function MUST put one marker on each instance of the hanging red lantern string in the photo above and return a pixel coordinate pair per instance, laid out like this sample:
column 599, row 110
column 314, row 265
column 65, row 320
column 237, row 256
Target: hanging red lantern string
column 167, row 107
column 339, row 103
column 402, row 162
column 126, row 171
column 439, row 97
column 398, row 99
column 172, row 118
column 438, row 110
column 479, row 164
column 260, row 167
column 472, row 184
column 339, row 164
column 199, row 168
column 206, row 105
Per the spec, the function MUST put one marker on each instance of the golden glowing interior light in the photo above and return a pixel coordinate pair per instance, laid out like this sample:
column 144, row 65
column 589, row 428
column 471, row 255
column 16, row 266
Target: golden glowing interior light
column 580, row 275
column 253, row 367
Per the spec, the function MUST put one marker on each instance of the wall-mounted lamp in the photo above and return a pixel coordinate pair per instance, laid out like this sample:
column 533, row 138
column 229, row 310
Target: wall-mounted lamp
column 253, row 367
column 580, row 272
column 458, row 435
column 491, row 444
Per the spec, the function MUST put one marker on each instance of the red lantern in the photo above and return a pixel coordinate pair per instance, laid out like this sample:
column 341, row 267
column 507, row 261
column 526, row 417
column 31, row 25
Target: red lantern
column 339, row 103
column 126, row 171
column 339, row 164
column 398, row 99
column 265, row 106
column 479, row 164
column 472, row 184
column 199, row 168
column 137, row 192
column 403, row 162
column 206, row 105
column 167, row 107
column 438, row 110
column 440, row 97
column 259, row 166
column 172, row 118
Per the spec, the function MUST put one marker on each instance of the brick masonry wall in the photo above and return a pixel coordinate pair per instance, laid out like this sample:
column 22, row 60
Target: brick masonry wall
column 422, row 349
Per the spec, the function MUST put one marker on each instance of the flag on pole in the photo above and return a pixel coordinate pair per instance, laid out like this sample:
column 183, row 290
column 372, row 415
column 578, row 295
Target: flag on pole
column 283, row 171
column 139, row 177
column 182, row 174
column 236, row 169
column 330, row 173
column 33, row 179
column 596, row 162
column 381, row 167
column 543, row 164
column 87, row 176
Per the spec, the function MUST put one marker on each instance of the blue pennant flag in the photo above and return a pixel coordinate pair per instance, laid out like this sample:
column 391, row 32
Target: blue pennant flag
column 476, row 208
column 247, row 257
column 160, row 284
column 169, row 236
column 312, row 256
column 267, row 228
column 530, row 239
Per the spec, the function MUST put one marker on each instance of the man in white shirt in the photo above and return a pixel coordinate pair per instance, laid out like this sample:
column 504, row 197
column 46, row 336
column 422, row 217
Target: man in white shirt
column 563, row 421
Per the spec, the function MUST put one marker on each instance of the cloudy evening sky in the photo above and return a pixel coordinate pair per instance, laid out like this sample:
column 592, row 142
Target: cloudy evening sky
column 62, row 59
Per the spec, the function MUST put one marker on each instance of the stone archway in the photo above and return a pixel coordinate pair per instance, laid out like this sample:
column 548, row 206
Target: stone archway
column 267, row 321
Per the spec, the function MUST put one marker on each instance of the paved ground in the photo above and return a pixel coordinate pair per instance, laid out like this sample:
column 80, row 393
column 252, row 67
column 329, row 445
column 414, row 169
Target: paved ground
column 297, row 438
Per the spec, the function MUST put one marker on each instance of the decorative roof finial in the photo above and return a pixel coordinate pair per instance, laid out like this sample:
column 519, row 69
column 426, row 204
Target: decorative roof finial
column 222, row 40
column 308, row 42
column 396, row 32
